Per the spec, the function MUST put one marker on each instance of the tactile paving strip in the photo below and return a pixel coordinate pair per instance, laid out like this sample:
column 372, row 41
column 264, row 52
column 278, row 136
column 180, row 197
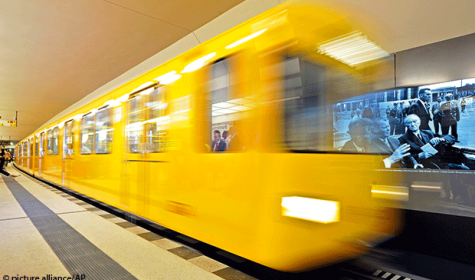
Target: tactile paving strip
column 78, row 255
column 173, row 245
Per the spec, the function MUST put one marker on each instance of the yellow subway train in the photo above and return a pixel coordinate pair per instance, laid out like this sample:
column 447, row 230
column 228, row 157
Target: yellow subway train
column 232, row 143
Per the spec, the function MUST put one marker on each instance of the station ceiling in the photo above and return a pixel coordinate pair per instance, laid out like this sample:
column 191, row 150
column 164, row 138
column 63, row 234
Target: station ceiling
column 53, row 53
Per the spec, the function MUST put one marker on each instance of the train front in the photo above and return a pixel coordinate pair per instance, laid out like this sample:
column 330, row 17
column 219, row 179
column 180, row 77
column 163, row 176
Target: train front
column 326, row 193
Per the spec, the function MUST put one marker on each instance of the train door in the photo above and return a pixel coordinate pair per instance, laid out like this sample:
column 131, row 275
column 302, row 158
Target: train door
column 225, row 169
column 67, row 153
column 41, row 153
column 135, row 153
column 36, row 158
column 19, row 155
column 30, row 155
column 27, row 155
column 146, row 165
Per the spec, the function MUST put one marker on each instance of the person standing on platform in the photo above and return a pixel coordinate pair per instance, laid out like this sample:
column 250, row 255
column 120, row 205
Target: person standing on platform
column 2, row 163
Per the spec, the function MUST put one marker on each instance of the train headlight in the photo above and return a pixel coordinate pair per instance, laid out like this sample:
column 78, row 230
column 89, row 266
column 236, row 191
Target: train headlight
column 311, row 209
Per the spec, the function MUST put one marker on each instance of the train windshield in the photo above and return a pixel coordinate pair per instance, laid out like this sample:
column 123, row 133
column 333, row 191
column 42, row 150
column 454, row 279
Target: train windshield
column 309, row 123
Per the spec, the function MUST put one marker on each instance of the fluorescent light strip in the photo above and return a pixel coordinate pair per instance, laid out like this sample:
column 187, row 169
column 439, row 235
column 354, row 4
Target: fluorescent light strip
column 245, row 39
column 352, row 49
column 197, row 64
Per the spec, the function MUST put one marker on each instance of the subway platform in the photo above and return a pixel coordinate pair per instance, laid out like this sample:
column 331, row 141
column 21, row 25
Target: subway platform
column 48, row 234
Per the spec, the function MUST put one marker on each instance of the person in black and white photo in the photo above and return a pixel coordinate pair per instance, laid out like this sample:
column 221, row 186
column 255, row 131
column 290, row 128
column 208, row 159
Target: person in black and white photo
column 383, row 143
column 437, row 114
column 451, row 115
column 421, row 108
column 417, row 138
column 360, row 133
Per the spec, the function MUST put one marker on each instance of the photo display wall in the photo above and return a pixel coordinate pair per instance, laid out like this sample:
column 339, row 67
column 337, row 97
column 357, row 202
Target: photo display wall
column 428, row 131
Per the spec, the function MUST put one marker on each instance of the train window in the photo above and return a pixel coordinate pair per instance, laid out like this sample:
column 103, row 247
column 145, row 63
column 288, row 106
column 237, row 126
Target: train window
column 37, row 139
column 135, row 123
column 25, row 149
column 227, row 109
column 104, row 131
column 31, row 146
column 49, row 144
column 56, row 141
column 308, row 121
column 68, row 138
column 158, row 119
column 87, row 134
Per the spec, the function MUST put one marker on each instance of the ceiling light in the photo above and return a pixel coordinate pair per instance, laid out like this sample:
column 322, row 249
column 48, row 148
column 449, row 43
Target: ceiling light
column 245, row 39
column 197, row 64
column 352, row 49
column 222, row 105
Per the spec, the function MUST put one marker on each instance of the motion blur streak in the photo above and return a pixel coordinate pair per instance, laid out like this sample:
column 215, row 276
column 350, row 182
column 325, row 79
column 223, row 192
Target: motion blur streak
column 237, row 150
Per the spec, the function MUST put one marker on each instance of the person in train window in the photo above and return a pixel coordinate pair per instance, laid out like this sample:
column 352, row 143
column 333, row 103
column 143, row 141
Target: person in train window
column 417, row 138
column 234, row 142
column 421, row 108
column 226, row 138
column 218, row 144
column 360, row 133
column 383, row 143
column 2, row 163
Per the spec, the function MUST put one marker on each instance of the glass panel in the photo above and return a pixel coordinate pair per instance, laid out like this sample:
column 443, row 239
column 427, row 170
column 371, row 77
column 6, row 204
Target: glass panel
column 158, row 120
column 87, row 134
column 49, row 146
column 226, row 109
column 37, row 145
column 135, row 124
column 56, row 141
column 25, row 149
column 104, row 131
column 308, row 120
column 68, row 136
column 31, row 147
column 42, row 137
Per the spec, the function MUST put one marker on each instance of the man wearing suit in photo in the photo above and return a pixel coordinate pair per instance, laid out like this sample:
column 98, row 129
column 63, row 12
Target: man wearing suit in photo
column 450, row 116
column 421, row 108
column 218, row 144
column 383, row 143
column 360, row 133
column 371, row 111
column 393, row 119
column 417, row 139
column 437, row 113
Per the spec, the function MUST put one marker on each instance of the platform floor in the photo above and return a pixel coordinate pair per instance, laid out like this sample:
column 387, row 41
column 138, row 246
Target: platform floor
column 44, row 231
